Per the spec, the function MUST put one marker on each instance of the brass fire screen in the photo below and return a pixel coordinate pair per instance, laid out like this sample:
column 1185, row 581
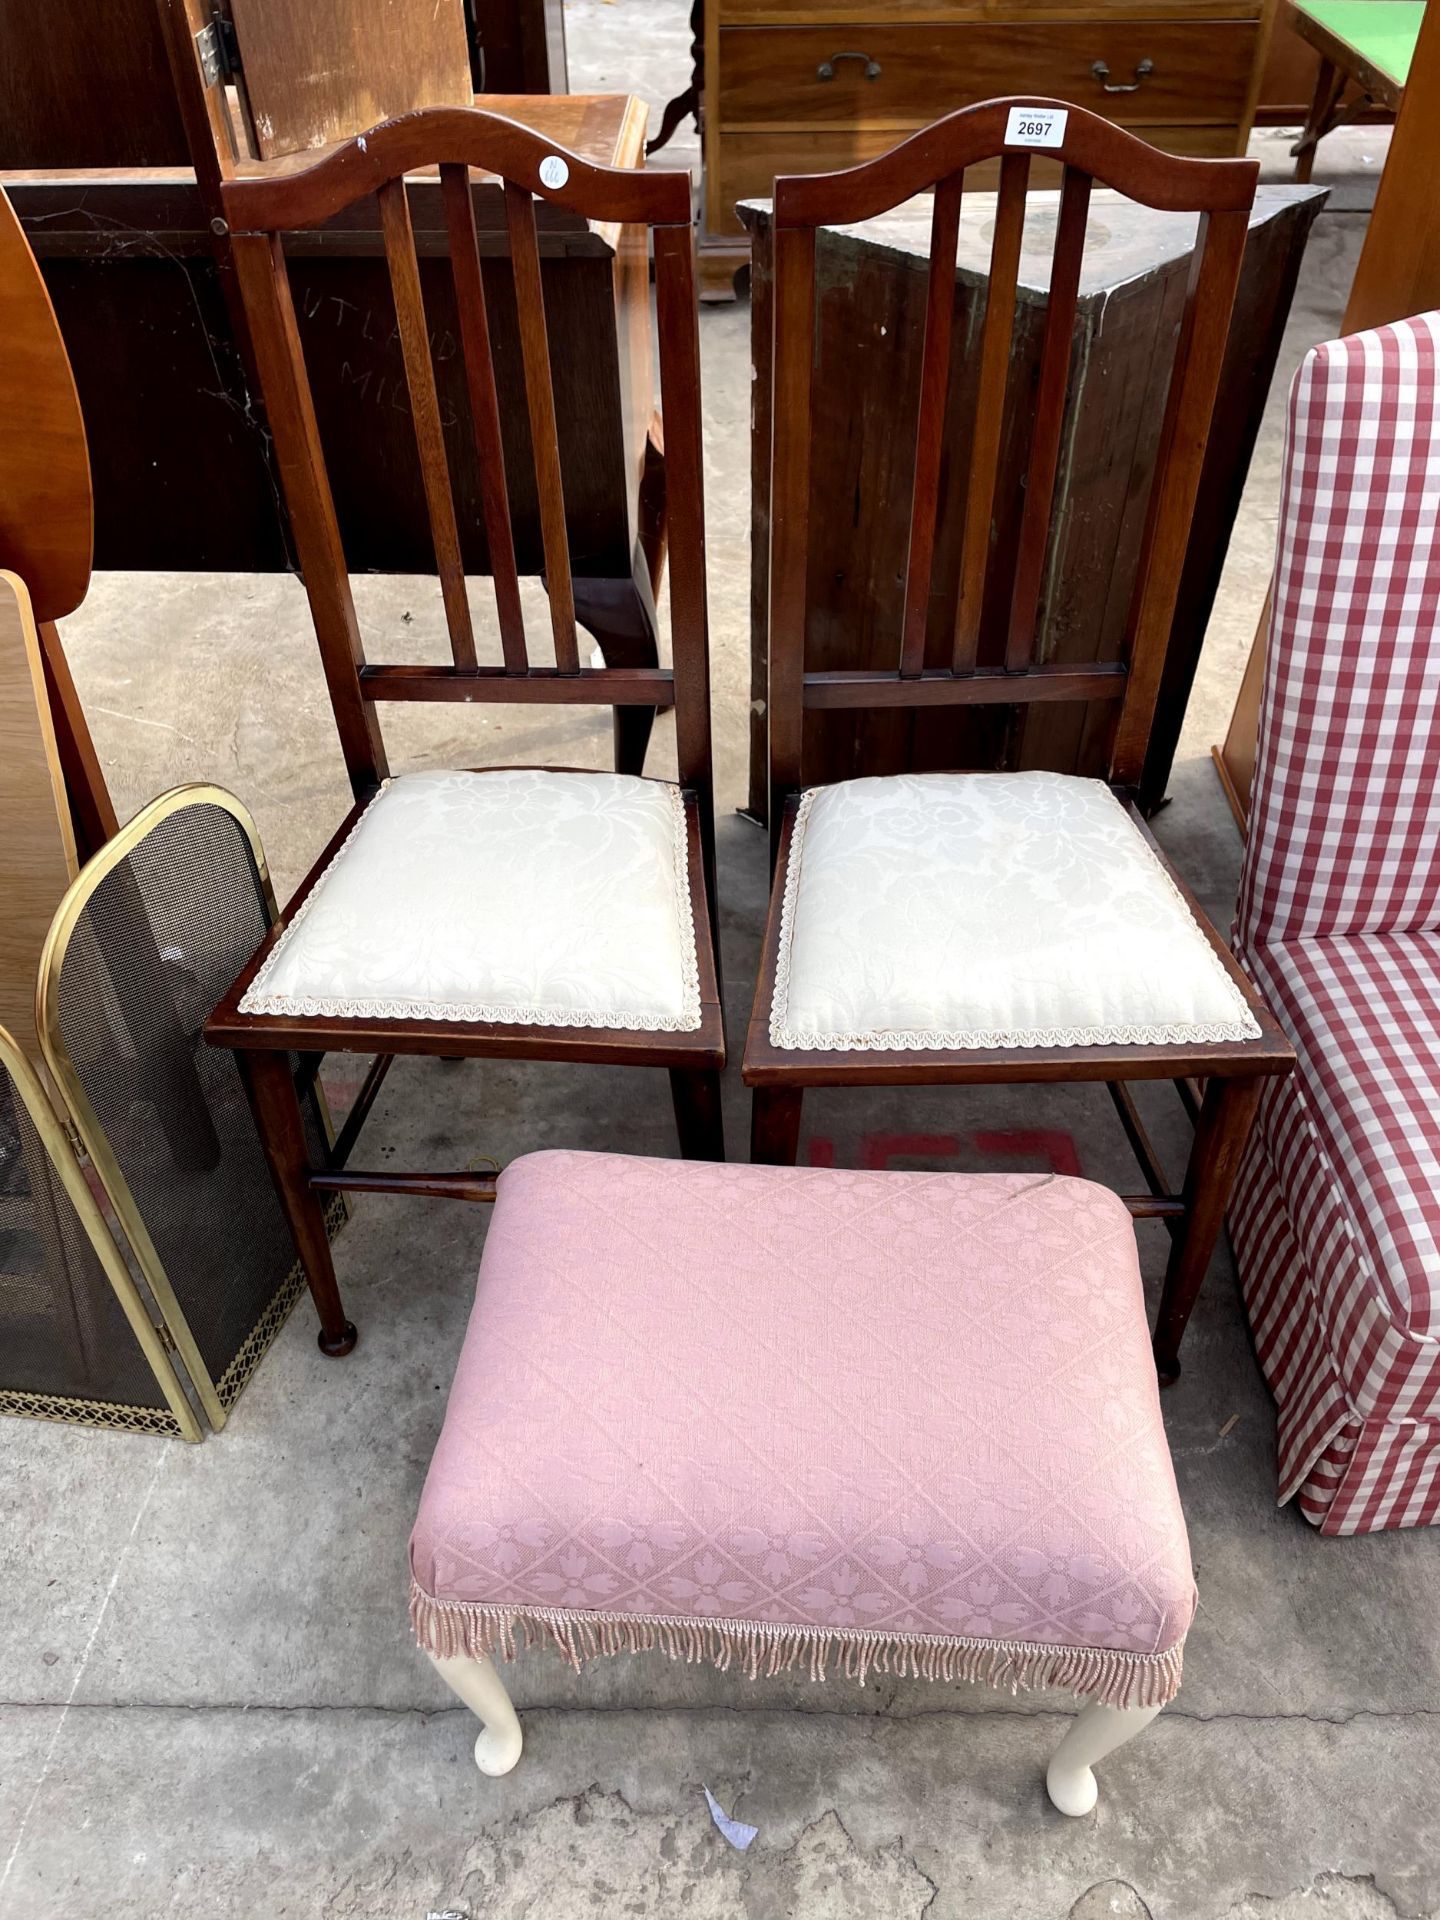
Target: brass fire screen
column 76, row 1342
column 155, row 928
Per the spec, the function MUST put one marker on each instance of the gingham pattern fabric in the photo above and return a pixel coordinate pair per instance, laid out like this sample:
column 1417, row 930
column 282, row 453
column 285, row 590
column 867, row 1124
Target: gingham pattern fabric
column 1336, row 1218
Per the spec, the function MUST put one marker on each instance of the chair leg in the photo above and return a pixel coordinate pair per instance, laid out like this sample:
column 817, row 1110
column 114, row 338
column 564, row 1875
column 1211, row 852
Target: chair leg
column 498, row 1744
column 698, row 1117
column 278, row 1119
column 775, row 1126
column 1095, row 1731
column 1226, row 1114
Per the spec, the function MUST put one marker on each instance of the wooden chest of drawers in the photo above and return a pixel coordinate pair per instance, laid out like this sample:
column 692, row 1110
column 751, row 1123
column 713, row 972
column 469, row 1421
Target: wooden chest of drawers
column 802, row 86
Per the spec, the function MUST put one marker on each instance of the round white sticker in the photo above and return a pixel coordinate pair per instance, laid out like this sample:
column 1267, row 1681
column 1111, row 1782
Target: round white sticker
column 553, row 171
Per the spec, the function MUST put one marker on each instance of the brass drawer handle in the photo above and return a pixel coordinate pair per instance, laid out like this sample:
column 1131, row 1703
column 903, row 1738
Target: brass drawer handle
column 826, row 68
column 1102, row 74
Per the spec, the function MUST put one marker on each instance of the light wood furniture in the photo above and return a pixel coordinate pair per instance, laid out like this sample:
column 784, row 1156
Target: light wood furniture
column 261, row 208
column 45, row 510
column 1289, row 71
column 868, row 364
column 948, row 673
column 807, row 85
column 37, row 841
column 1366, row 45
column 46, row 518
column 307, row 76
column 1398, row 275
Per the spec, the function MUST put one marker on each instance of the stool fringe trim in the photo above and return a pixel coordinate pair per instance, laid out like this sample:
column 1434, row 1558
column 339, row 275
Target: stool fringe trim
column 450, row 1628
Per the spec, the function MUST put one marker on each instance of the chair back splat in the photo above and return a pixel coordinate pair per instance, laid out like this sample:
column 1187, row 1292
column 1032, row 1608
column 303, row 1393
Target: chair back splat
column 263, row 206
column 995, row 665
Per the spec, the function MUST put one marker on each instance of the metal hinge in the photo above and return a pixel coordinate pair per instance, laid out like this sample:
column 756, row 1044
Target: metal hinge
column 77, row 1145
column 218, row 48
column 167, row 1339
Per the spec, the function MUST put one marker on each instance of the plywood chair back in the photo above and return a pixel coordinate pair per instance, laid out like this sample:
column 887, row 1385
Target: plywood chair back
column 46, row 506
column 262, row 209
column 37, row 843
column 308, row 76
column 991, row 658
column 318, row 73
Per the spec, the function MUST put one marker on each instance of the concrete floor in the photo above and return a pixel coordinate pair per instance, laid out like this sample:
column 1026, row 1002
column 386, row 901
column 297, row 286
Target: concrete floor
column 211, row 1706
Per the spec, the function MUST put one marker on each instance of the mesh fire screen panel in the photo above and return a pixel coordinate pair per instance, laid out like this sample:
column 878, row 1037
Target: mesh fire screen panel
column 67, row 1350
column 160, row 935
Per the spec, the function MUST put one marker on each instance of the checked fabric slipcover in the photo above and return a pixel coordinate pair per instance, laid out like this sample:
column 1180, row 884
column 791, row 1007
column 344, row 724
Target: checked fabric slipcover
column 1336, row 1218
column 768, row 1416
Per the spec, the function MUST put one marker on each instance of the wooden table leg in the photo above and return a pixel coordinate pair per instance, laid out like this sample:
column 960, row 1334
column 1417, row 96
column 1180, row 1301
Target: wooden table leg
column 1329, row 85
column 281, row 1126
column 1226, row 1114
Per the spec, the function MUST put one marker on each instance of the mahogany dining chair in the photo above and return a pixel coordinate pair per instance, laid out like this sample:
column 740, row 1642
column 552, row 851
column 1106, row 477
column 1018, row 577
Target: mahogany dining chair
column 951, row 928
column 511, row 913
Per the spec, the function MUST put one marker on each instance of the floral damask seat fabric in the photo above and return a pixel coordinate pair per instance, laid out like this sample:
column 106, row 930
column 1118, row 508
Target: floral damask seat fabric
column 765, row 1415
column 517, row 895
column 988, row 910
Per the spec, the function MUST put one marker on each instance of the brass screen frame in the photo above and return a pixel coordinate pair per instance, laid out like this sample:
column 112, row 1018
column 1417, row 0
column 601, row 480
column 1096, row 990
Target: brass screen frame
column 215, row 1397
column 61, row 1407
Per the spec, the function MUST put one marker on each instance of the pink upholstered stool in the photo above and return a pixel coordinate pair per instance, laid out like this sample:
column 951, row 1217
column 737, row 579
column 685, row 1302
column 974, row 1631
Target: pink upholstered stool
column 768, row 1416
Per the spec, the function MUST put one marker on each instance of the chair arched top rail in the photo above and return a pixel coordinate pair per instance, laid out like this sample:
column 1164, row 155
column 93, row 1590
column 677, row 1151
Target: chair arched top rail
column 281, row 199
column 1090, row 144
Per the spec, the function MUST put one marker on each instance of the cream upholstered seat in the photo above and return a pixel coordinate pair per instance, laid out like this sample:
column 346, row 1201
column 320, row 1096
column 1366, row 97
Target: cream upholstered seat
column 516, row 895
column 988, row 910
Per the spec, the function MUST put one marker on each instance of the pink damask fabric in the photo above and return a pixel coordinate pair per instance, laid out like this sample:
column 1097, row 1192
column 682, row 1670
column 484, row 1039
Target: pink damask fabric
column 774, row 1413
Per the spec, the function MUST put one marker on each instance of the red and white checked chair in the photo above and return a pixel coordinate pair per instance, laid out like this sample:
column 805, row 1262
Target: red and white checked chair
column 1336, row 1217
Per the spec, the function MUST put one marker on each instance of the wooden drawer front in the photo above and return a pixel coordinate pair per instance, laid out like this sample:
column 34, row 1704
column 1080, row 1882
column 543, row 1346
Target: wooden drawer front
column 749, row 162
column 807, row 13
column 770, row 76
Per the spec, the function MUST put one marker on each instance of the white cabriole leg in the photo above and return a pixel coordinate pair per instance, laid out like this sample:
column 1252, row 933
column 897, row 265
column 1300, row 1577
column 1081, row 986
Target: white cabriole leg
column 498, row 1745
column 1096, row 1731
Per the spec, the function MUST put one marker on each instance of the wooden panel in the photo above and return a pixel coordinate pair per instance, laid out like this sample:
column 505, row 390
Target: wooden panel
column 1398, row 274
column 749, row 162
column 37, row 847
column 824, row 13
column 518, row 45
column 1287, row 77
column 772, row 76
column 331, row 68
column 85, row 83
column 1288, row 74
column 45, row 507
column 191, row 485
column 1399, row 269
column 796, row 13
